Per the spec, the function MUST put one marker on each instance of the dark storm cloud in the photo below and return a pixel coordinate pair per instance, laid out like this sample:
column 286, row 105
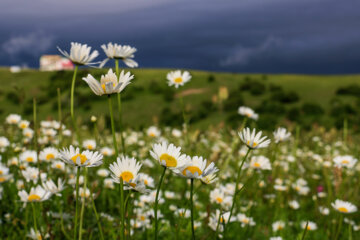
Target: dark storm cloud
column 309, row 36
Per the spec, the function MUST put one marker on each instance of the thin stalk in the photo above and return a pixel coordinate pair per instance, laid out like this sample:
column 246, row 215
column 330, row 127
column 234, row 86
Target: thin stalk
column 339, row 228
column 120, row 109
column 113, row 126
column 83, row 204
column 127, row 213
column 35, row 134
column 59, row 115
column 192, row 209
column 236, row 190
column 72, row 102
column 156, row 204
column 345, row 130
column 122, row 209
column 77, row 202
column 218, row 224
column 305, row 231
column 34, row 215
column 97, row 217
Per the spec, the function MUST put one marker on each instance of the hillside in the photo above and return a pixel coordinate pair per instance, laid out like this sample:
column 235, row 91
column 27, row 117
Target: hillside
column 148, row 100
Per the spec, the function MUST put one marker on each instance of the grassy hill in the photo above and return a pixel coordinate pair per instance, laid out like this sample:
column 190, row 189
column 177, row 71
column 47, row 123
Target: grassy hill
column 148, row 100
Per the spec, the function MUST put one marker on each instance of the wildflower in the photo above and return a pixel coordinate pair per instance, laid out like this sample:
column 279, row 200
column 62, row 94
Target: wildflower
column 324, row 210
column 294, row 204
column 122, row 52
column 23, row 124
column 80, row 54
column 106, row 151
column 253, row 140
column 177, row 78
column 311, row 225
column 37, row 194
column 260, row 162
column 36, row 235
column 153, row 132
column 248, row 112
column 102, row 172
column 13, row 119
column 86, row 158
column 281, row 135
column 344, row 207
column 4, row 143
column 50, row 186
column 345, row 161
column 28, row 156
column 48, row 154
column 208, row 179
column 195, row 167
column 109, row 83
column 245, row 220
column 89, row 144
column 58, row 165
column 126, row 169
column 31, row 174
column 168, row 155
column 278, row 225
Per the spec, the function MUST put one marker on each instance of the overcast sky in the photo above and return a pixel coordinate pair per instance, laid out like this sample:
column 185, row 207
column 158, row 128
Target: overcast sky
column 269, row 36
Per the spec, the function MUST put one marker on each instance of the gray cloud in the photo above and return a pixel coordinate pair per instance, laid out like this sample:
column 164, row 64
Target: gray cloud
column 32, row 43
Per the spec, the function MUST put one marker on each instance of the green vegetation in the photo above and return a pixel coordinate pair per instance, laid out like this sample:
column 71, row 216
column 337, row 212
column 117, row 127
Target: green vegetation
column 305, row 99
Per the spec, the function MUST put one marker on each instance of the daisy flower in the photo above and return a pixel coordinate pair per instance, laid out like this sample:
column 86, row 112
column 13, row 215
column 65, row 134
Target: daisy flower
column 13, row 119
column 344, row 207
column 89, row 144
column 260, row 162
column 48, row 154
column 278, row 225
column 80, row 54
column 281, row 135
column 36, row 235
column 4, row 143
column 24, row 124
column 208, row 179
column 123, row 52
column 30, row 174
column 218, row 196
column 127, row 169
column 102, row 172
column 147, row 180
column 86, row 158
column 58, row 165
column 248, row 112
column 177, row 78
column 345, row 161
column 195, row 167
column 153, row 132
column 294, row 204
column 109, row 83
column 28, row 156
column 50, row 186
column 106, row 151
column 245, row 220
column 311, row 225
column 168, row 155
column 252, row 139
column 37, row 194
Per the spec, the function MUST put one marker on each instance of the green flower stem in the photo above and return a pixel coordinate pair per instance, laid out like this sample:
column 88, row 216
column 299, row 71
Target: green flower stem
column 113, row 127
column 156, row 204
column 59, row 115
column 72, row 103
column 77, row 202
column 192, row 209
column 218, row 224
column 236, row 190
column 339, row 227
column 83, row 204
column 34, row 215
column 305, row 231
column 98, row 220
column 120, row 109
column 127, row 213
column 122, row 209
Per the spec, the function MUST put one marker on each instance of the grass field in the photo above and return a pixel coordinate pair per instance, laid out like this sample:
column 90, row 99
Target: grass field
column 144, row 107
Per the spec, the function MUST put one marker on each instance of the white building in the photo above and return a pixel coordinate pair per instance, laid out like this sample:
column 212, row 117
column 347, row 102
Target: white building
column 55, row 63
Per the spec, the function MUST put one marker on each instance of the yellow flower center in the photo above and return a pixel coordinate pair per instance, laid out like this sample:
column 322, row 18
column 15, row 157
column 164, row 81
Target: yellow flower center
column 308, row 228
column 152, row 134
column 142, row 218
column 34, row 198
column 83, row 194
column 178, row 80
column 170, row 161
column 2, row 179
column 50, row 156
column 193, row 170
column 103, row 86
column 23, row 125
column 81, row 156
column 245, row 220
column 29, row 159
column 253, row 145
column 1, row 172
column 345, row 161
column 257, row 165
column 59, row 166
column 342, row 209
column 90, row 147
column 219, row 199
column 126, row 176
column 222, row 219
column 146, row 182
